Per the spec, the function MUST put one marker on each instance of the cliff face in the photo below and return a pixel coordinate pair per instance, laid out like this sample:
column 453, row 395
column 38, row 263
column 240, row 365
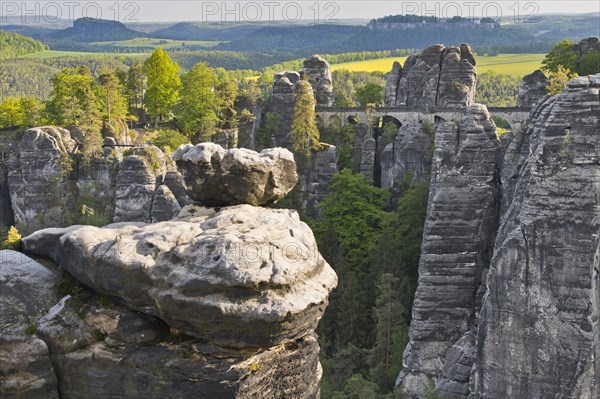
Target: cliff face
column 221, row 302
column 539, row 330
column 508, row 299
column 438, row 77
column 457, row 241
column 48, row 187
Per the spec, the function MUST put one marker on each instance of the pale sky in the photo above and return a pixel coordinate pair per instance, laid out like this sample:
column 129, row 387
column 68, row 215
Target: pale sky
column 290, row 11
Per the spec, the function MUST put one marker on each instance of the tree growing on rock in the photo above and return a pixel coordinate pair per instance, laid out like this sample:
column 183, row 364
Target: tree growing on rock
column 558, row 80
column 163, row 85
column 304, row 131
column 562, row 54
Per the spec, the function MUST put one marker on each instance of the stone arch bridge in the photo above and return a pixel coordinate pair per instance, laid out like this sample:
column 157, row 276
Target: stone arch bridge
column 515, row 116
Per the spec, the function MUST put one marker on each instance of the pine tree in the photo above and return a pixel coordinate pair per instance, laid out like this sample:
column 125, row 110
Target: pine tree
column 391, row 328
column 196, row 109
column 163, row 85
column 303, row 131
column 135, row 85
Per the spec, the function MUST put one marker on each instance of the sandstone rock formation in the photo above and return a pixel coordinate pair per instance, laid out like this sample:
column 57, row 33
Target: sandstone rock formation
column 438, row 77
column 367, row 159
column 457, row 244
column 587, row 45
column 532, row 89
column 319, row 177
column 242, row 277
column 539, row 327
column 215, row 176
column 38, row 180
column 86, row 346
column 43, row 183
column 411, row 152
column 318, row 73
column 281, row 104
column 507, row 302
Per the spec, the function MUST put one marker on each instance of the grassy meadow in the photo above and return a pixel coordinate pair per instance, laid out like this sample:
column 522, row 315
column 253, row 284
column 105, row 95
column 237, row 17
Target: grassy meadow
column 509, row 64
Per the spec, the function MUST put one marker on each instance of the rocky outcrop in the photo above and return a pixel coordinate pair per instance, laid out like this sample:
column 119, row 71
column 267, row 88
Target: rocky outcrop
column 318, row 74
column 457, row 244
column 281, row 105
column 232, row 277
column 38, row 179
column 539, row 332
column 46, row 184
column 440, row 76
column 515, row 315
column 215, row 176
column 84, row 346
column 411, row 152
column 532, row 89
column 367, row 159
column 587, row 45
column 319, row 177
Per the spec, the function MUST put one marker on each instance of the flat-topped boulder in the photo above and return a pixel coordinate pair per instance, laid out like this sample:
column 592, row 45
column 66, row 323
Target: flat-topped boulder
column 241, row 277
column 215, row 176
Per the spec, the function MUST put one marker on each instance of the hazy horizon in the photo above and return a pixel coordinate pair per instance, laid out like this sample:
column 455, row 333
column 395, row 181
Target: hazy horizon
column 155, row 11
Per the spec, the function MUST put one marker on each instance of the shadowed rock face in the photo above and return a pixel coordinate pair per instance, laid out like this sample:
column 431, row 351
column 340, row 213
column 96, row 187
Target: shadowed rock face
column 438, row 77
column 539, row 332
column 87, row 347
column 532, row 89
column 458, row 237
column 508, row 298
column 216, row 177
column 409, row 153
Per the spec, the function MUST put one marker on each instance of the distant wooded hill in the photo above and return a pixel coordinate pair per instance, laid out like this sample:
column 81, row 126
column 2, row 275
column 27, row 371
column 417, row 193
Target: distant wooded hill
column 14, row 45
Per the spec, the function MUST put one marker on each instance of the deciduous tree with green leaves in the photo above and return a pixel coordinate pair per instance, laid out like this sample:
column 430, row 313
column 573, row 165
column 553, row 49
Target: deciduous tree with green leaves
column 558, row 80
column 113, row 103
column 136, row 81
column 20, row 111
column 304, row 132
column 163, row 85
column 562, row 54
column 195, row 111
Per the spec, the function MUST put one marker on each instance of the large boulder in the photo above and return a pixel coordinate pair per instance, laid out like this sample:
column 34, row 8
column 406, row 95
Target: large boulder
column 86, row 346
column 242, row 277
column 217, row 177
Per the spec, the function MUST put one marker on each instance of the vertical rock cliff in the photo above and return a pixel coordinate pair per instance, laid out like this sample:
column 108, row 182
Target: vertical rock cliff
column 457, row 245
column 539, row 332
column 508, row 299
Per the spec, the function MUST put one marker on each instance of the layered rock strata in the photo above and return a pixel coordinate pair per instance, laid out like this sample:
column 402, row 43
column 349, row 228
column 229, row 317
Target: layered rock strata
column 457, row 245
column 440, row 76
column 531, row 89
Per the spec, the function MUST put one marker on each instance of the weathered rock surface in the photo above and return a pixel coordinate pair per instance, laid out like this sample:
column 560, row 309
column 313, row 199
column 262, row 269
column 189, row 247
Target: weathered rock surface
column 320, row 175
column 411, row 152
column 539, row 332
column 42, row 184
column 216, row 177
column 281, row 105
column 532, row 89
column 25, row 295
column 318, row 73
column 89, row 347
column 243, row 277
column 440, row 76
column 367, row 158
column 457, row 244
column 38, row 181
column 587, row 45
